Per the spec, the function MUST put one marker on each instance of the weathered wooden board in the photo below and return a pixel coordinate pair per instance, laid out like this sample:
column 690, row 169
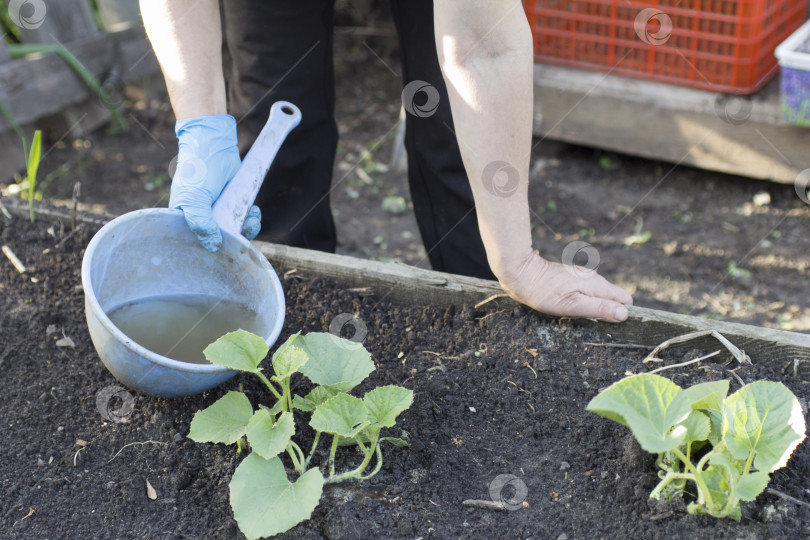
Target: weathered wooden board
column 19, row 207
column 745, row 136
column 411, row 285
column 37, row 87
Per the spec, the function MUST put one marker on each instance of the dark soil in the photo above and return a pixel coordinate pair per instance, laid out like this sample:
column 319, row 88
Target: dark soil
column 495, row 393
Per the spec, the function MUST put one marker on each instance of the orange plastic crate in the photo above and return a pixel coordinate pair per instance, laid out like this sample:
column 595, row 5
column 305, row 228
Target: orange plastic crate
column 721, row 45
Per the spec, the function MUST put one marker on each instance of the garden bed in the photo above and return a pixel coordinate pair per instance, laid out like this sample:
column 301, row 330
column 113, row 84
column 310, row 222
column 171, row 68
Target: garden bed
column 498, row 390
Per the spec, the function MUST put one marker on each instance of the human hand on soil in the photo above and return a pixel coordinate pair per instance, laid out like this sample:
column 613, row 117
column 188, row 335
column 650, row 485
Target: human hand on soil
column 208, row 157
column 564, row 290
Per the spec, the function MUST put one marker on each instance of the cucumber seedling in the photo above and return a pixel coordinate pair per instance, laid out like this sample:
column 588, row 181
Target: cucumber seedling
column 726, row 445
column 263, row 499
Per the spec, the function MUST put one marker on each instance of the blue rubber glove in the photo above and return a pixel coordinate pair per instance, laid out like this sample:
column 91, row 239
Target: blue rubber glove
column 208, row 157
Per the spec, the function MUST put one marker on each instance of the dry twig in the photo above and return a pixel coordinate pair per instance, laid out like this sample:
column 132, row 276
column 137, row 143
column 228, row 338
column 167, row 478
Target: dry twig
column 618, row 345
column 490, row 299
column 77, row 189
column 132, row 444
column 787, row 497
column 65, row 238
column 4, row 210
column 11, row 256
column 739, row 379
column 488, row 505
column 696, row 360
column 26, row 516
column 740, row 355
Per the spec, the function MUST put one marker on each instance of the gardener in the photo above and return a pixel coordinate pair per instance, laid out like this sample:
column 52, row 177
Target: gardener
column 282, row 50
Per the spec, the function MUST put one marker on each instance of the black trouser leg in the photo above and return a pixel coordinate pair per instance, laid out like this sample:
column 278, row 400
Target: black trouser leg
column 441, row 193
column 282, row 50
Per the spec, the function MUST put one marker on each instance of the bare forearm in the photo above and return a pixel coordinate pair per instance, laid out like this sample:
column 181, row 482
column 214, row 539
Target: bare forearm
column 486, row 57
column 187, row 38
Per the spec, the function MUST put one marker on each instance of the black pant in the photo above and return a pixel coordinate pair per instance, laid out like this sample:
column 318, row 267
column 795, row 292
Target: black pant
column 282, row 50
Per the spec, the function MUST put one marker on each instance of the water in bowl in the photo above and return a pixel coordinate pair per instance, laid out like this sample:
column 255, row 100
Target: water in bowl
column 181, row 327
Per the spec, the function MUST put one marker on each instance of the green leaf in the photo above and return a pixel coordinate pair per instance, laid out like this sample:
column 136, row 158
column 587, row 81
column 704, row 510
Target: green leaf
column 223, row 422
column 385, row 403
column 288, row 359
column 734, row 512
column 264, row 501
column 313, row 399
column 342, row 415
column 750, row 485
column 268, row 438
column 720, row 477
column 394, row 440
column 708, row 397
column 334, row 362
column 650, row 405
column 239, row 350
column 723, row 474
column 32, row 168
column 764, row 417
column 697, row 427
column 352, row 441
column 274, row 410
column 746, row 487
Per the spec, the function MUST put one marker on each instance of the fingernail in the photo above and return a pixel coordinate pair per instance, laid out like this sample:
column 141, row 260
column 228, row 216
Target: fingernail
column 622, row 313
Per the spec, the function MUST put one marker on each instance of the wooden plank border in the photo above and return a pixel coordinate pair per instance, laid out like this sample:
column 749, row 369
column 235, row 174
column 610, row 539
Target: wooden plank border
column 411, row 285
column 408, row 284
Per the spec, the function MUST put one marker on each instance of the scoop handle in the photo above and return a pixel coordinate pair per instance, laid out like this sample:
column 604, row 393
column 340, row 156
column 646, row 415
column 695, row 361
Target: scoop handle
column 232, row 206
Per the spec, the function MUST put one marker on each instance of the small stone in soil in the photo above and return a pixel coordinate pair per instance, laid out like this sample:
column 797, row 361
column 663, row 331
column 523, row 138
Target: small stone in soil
column 65, row 342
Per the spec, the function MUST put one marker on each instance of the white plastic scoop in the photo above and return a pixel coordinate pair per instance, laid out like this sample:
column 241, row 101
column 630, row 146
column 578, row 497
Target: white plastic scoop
column 232, row 206
column 151, row 256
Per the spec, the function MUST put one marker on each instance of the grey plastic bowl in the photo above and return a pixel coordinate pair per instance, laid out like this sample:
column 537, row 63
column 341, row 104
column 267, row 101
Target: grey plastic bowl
column 152, row 253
